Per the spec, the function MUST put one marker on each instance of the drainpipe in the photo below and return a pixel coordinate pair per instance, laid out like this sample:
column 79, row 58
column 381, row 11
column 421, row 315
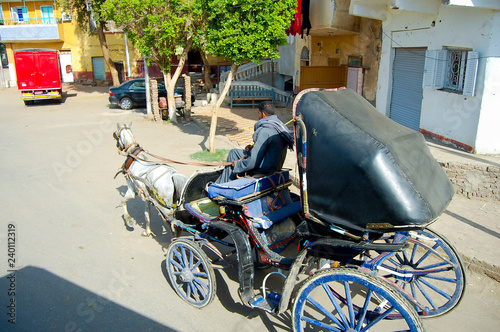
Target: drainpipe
column 127, row 56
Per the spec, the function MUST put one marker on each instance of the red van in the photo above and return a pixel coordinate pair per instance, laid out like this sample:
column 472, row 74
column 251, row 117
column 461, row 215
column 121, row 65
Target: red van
column 38, row 74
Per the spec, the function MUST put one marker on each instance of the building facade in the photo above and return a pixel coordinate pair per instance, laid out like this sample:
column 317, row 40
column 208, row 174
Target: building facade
column 43, row 24
column 440, row 68
column 338, row 49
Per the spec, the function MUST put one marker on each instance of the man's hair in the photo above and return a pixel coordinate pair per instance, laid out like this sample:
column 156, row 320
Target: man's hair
column 267, row 107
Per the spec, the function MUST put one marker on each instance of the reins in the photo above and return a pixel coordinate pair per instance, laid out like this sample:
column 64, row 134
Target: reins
column 166, row 160
column 134, row 155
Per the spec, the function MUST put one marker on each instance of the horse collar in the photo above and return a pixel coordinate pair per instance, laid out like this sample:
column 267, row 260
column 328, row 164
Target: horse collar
column 131, row 157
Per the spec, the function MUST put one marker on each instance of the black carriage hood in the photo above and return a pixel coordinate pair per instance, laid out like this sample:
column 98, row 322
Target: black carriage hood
column 364, row 170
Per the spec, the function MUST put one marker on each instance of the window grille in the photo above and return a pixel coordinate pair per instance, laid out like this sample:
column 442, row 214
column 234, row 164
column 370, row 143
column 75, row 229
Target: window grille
column 451, row 70
column 456, row 64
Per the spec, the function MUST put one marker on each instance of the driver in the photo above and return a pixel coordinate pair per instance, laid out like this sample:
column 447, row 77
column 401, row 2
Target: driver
column 271, row 138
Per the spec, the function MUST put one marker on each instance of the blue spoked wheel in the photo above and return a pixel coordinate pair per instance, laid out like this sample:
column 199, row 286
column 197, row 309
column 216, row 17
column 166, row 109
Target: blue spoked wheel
column 430, row 269
column 349, row 300
column 190, row 273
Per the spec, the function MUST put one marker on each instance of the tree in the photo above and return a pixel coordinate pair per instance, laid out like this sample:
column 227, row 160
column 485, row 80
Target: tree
column 87, row 13
column 160, row 29
column 244, row 30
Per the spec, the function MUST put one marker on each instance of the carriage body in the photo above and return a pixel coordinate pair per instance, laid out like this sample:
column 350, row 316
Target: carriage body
column 368, row 189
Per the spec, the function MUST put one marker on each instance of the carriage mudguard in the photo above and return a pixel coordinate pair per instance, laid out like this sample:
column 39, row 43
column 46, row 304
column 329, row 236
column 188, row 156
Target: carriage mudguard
column 246, row 186
column 245, row 262
column 362, row 169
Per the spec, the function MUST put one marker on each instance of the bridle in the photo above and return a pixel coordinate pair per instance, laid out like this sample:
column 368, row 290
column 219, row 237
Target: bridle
column 119, row 144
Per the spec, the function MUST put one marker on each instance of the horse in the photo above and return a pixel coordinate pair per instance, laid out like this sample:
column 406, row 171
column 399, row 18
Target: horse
column 156, row 183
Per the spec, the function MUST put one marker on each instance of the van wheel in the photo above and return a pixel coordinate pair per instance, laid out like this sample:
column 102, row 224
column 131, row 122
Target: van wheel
column 126, row 103
column 28, row 102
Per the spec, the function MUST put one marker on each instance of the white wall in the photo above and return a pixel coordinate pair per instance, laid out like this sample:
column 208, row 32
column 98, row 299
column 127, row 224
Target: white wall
column 289, row 62
column 451, row 115
column 488, row 138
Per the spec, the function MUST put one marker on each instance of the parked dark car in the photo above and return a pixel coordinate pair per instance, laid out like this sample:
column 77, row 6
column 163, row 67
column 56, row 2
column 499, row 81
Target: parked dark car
column 132, row 93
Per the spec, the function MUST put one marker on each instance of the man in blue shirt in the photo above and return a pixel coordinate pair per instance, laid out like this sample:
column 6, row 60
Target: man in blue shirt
column 271, row 138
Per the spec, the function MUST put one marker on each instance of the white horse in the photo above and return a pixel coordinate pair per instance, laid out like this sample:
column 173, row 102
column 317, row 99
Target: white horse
column 156, row 183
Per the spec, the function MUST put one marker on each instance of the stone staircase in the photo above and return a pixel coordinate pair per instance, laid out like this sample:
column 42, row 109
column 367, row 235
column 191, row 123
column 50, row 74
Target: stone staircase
column 251, row 77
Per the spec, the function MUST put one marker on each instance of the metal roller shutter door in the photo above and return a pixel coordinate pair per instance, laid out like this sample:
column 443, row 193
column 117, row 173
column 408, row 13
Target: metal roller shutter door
column 407, row 76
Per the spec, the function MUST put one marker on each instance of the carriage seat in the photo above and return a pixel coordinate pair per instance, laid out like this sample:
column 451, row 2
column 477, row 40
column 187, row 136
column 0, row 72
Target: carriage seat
column 248, row 187
column 274, row 217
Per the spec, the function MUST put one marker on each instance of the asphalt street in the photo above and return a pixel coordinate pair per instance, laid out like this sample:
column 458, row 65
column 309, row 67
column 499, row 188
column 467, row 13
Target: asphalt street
column 75, row 266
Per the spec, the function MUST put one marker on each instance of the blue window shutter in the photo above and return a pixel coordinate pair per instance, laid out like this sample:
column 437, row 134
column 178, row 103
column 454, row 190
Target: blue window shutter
column 471, row 73
column 26, row 18
column 441, row 67
column 429, row 69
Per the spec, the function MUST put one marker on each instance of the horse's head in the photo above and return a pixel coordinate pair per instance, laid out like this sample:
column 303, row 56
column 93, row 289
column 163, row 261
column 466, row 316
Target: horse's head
column 124, row 137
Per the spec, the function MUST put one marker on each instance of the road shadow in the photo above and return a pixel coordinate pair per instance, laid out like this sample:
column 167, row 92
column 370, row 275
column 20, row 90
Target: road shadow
column 137, row 110
column 47, row 302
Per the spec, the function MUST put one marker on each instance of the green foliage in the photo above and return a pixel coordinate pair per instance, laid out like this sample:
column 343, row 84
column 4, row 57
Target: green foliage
column 218, row 156
column 157, row 27
column 80, row 10
column 247, row 30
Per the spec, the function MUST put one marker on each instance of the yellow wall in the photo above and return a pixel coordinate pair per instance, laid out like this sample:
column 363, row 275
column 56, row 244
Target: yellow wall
column 366, row 44
column 82, row 45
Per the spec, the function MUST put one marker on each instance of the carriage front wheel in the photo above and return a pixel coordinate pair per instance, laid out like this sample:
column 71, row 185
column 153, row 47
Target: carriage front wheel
column 349, row 300
column 190, row 273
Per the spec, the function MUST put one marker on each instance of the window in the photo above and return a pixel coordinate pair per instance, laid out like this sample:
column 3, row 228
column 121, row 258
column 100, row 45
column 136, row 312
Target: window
column 452, row 70
column 1, row 15
column 47, row 14
column 354, row 61
column 138, row 85
column 66, row 17
column 20, row 14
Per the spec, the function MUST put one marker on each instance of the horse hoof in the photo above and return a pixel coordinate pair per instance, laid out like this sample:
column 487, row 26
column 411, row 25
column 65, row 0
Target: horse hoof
column 130, row 222
column 145, row 234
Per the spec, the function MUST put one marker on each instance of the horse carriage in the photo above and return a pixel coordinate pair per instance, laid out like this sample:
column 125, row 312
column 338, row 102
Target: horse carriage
column 352, row 246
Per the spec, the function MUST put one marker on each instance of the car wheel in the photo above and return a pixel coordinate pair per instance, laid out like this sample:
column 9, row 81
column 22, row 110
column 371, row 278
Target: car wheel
column 126, row 103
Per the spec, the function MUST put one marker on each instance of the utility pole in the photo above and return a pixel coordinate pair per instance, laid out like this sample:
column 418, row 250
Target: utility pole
column 127, row 57
column 148, row 96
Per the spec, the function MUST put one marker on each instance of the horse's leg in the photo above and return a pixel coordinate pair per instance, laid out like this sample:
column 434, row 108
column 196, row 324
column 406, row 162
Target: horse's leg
column 127, row 197
column 147, row 216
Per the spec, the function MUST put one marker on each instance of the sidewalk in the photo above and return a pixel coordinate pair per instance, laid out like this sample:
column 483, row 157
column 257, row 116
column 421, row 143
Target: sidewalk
column 471, row 225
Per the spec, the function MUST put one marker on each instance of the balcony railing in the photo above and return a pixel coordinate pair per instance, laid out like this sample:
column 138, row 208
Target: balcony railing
column 27, row 20
column 17, row 30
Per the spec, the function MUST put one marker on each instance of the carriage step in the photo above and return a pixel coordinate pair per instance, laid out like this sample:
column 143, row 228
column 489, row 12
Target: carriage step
column 269, row 304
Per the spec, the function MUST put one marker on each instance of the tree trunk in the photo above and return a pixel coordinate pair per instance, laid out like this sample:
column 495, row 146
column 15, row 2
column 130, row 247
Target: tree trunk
column 171, row 80
column 206, row 75
column 215, row 109
column 105, row 53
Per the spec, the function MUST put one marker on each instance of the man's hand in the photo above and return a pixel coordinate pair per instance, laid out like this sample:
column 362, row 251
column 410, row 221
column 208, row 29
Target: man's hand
column 234, row 161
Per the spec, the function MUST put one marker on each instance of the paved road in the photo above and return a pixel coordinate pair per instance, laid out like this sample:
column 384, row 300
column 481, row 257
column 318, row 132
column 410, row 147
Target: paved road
column 78, row 267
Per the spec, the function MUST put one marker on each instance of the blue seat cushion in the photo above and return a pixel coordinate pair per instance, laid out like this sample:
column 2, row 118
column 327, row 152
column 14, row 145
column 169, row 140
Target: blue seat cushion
column 266, row 221
column 246, row 186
